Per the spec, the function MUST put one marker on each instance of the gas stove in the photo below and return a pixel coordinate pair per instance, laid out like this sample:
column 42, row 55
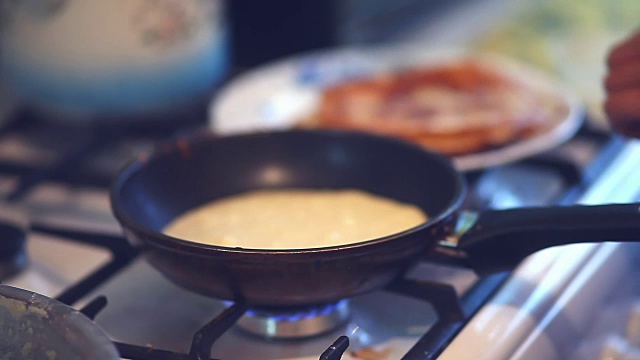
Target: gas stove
column 56, row 178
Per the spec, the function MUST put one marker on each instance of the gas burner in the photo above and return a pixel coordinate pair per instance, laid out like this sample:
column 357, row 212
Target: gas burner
column 12, row 264
column 295, row 322
column 13, row 255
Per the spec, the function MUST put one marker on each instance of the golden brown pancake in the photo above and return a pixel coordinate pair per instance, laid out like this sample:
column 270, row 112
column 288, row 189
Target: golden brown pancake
column 456, row 108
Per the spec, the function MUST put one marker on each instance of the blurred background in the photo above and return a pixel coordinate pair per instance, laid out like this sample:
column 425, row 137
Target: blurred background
column 130, row 59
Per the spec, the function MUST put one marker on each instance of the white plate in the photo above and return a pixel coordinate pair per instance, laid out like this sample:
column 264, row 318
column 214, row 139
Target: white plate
column 276, row 96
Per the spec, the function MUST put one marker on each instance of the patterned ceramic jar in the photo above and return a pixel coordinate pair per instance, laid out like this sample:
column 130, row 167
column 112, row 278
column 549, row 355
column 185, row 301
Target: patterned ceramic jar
column 86, row 59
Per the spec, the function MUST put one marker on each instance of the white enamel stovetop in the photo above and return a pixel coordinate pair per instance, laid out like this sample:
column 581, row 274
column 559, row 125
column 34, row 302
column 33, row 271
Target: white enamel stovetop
column 571, row 302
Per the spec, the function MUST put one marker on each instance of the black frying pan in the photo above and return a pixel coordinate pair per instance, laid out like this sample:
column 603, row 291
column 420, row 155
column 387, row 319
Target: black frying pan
column 152, row 191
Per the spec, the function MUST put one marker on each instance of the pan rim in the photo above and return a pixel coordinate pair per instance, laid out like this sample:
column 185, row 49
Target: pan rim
column 159, row 239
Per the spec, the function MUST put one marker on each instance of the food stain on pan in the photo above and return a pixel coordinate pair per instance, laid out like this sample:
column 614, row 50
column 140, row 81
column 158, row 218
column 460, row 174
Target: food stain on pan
column 22, row 319
column 371, row 354
column 18, row 309
column 182, row 145
column 143, row 158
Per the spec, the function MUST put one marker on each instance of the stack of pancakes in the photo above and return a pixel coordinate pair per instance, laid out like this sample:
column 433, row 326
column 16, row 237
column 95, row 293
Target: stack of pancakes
column 461, row 107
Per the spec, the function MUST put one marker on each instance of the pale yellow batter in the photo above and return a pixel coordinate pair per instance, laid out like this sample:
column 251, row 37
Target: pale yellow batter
column 295, row 219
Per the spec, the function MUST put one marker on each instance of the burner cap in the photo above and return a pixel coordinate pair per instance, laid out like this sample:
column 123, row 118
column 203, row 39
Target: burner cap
column 294, row 322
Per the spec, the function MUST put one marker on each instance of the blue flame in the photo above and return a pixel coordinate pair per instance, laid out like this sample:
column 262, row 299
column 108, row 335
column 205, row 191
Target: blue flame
column 298, row 314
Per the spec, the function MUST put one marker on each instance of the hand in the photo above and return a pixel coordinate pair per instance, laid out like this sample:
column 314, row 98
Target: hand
column 622, row 84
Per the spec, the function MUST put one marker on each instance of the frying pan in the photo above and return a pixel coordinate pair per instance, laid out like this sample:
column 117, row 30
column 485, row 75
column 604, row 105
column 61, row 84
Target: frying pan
column 153, row 190
column 33, row 326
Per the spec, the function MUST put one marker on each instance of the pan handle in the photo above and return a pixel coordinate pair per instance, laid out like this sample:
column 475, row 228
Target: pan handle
column 500, row 239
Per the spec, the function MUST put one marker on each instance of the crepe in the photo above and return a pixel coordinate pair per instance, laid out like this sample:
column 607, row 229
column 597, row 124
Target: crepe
column 459, row 107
